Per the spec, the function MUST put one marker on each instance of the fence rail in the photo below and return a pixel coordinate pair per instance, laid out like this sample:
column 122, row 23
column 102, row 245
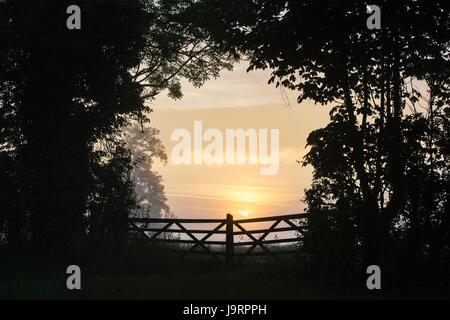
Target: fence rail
column 231, row 228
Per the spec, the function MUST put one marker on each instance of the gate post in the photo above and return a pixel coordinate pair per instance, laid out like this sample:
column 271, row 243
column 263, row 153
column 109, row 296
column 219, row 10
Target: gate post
column 229, row 242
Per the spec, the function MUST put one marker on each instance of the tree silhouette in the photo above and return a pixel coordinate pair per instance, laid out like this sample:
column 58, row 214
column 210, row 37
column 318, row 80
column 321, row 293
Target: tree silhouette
column 63, row 92
column 380, row 185
column 146, row 147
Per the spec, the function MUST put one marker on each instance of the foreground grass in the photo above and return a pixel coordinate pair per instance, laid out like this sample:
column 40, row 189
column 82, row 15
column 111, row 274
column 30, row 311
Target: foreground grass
column 147, row 273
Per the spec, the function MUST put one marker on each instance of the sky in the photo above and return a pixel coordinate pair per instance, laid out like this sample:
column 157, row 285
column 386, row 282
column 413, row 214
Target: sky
column 237, row 99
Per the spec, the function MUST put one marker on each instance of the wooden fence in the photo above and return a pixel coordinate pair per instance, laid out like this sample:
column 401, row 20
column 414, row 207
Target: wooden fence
column 146, row 227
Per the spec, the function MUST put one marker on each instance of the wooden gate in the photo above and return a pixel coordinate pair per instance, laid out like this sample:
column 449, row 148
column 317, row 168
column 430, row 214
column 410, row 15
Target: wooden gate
column 146, row 227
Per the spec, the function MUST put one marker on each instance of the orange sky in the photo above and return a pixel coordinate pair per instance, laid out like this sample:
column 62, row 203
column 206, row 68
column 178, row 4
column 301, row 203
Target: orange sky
column 237, row 100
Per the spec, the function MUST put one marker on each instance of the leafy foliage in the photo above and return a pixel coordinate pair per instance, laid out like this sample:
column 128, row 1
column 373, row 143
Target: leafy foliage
column 380, row 187
column 66, row 95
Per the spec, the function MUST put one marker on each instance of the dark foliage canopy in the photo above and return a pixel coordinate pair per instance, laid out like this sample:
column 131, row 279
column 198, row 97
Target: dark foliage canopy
column 65, row 97
column 380, row 187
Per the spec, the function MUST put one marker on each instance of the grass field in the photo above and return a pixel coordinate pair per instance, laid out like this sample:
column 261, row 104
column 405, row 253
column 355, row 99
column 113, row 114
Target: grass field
column 146, row 273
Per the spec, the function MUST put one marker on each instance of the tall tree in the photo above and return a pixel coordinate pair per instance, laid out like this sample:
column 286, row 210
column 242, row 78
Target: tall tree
column 375, row 80
column 64, row 91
